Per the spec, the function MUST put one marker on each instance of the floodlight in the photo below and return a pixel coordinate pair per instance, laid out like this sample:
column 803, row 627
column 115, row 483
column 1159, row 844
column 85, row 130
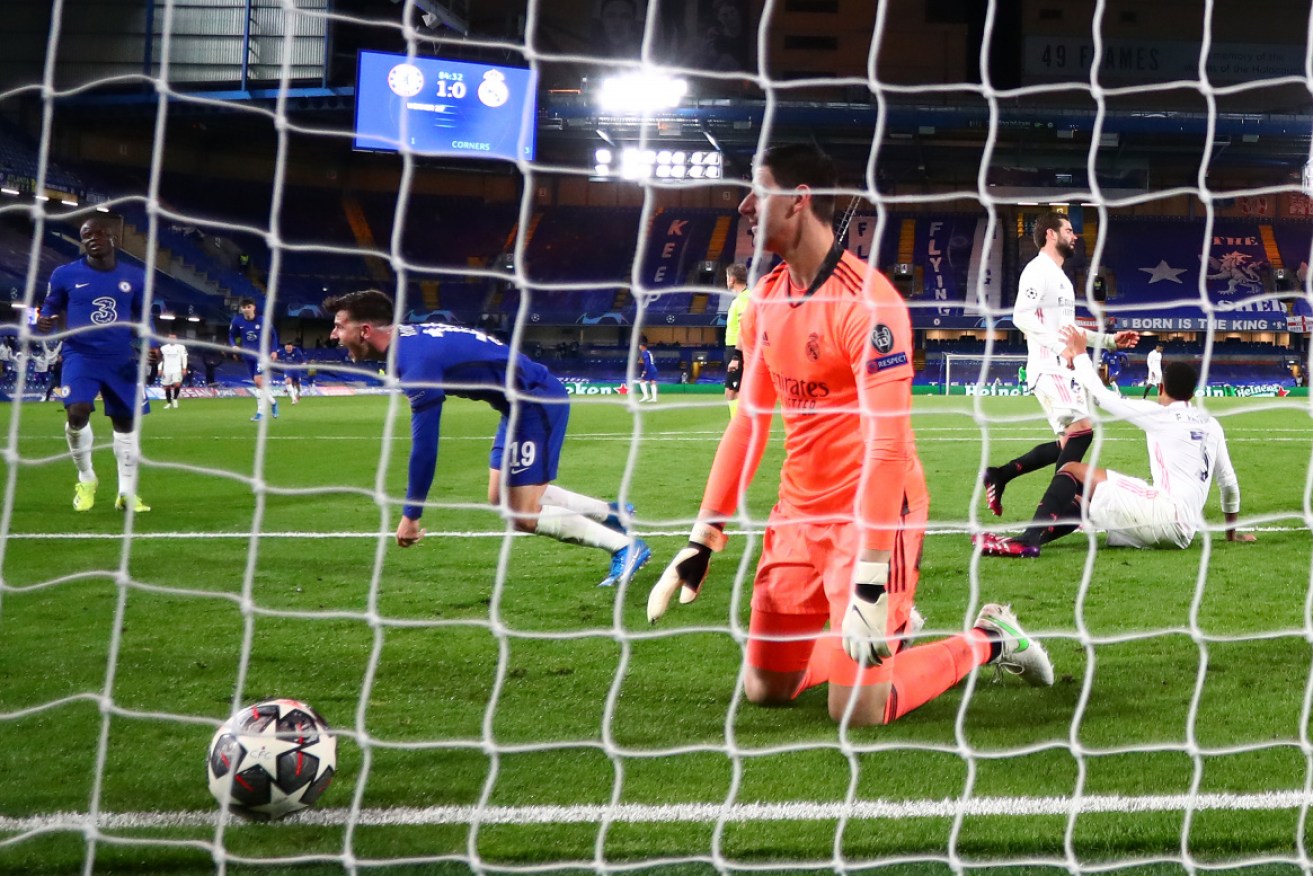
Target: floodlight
column 641, row 92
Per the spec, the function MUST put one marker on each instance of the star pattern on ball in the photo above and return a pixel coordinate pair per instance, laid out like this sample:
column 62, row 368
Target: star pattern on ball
column 264, row 751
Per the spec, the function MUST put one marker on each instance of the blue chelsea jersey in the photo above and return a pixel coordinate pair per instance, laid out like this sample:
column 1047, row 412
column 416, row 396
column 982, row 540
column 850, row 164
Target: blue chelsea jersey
column 245, row 333
column 435, row 360
column 296, row 357
column 103, row 304
column 1116, row 360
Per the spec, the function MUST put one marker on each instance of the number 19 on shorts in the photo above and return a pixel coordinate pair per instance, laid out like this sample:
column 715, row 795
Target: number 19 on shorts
column 521, row 454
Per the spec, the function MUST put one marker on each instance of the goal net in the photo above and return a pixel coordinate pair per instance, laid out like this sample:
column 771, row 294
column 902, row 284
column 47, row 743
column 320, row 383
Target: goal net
column 495, row 710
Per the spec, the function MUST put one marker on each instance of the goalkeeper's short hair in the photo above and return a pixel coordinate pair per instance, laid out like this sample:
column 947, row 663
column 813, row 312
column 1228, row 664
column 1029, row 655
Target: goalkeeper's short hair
column 804, row 164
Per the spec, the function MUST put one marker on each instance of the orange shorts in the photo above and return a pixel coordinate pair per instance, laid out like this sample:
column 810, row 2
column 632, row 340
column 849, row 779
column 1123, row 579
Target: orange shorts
column 804, row 581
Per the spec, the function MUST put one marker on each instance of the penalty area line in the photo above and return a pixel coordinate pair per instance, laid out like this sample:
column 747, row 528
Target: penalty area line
column 701, row 813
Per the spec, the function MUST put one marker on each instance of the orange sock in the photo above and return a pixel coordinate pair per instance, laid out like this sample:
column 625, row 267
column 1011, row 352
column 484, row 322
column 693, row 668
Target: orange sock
column 818, row 667
column 924, row 672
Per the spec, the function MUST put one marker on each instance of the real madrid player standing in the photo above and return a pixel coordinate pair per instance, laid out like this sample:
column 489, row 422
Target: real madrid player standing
column 172, row 369
column 1046, row 304
column 101, row 301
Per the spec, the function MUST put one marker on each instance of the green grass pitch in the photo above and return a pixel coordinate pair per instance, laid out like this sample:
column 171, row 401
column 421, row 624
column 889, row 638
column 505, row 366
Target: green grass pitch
column 478, row 668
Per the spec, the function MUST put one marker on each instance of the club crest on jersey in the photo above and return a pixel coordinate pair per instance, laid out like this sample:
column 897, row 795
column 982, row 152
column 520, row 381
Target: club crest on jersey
column 882, row 338
column 125, row 286
column 813, row 346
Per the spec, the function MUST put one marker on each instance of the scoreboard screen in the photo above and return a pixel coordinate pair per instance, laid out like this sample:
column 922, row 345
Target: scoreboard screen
column 432, row 106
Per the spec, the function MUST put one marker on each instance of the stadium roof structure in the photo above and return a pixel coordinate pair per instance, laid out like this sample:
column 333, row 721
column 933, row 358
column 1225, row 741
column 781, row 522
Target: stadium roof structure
column 1043, row 146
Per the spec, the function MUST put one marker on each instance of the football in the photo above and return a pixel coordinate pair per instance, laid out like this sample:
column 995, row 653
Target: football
column 271, row 759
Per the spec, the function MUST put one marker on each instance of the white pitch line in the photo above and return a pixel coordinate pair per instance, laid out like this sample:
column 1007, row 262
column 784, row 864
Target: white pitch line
column 1016, row 526
column 701, row 813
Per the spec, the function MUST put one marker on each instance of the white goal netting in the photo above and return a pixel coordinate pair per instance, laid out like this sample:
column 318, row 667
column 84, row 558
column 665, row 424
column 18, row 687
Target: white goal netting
column 497, row 712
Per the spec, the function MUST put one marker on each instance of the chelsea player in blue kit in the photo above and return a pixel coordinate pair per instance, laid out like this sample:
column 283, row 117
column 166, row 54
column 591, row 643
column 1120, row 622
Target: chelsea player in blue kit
column 1114, row 361
column 244, row 332
column 647, row 372
column 293, row 356
column 434, row 360
column 102, row 303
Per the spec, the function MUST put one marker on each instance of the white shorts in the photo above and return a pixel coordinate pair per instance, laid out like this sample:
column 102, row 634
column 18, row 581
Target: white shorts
column 1063, row 400
column 168, row 378
column 1138, row 514
column 1154, row 378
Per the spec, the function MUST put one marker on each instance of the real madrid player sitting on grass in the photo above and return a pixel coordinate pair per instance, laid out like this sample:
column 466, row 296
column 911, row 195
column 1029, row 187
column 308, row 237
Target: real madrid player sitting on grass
column 434, row 360
column 1187, row 450
column 830, row 340
column 101, row 301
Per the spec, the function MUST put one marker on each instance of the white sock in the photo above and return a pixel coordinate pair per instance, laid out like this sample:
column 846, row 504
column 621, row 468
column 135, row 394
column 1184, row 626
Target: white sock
column 594, row 509
column 264, row 398
column 79, row 445
column 126, row 453
column 565, row 525
column 653, row 390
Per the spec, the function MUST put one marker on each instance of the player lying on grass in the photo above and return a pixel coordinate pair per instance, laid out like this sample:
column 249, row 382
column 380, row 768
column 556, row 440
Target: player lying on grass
column 830, row 340
column 1187, row 450
column 434, row 360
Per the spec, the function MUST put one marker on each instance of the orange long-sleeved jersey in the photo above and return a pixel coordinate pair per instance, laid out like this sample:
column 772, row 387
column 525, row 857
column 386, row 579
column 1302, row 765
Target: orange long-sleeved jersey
column 840, row 365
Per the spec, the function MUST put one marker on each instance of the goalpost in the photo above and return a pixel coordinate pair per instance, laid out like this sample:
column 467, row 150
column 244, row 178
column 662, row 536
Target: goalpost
column 983, row 371
column 496, row 712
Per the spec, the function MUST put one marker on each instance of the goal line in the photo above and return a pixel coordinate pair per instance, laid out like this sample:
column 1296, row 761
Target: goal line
column 696, row 813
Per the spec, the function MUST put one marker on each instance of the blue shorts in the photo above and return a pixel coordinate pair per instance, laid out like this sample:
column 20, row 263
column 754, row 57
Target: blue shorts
column 114, row 379
column 648, row 374
column 535, row 448
column 253, row 365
